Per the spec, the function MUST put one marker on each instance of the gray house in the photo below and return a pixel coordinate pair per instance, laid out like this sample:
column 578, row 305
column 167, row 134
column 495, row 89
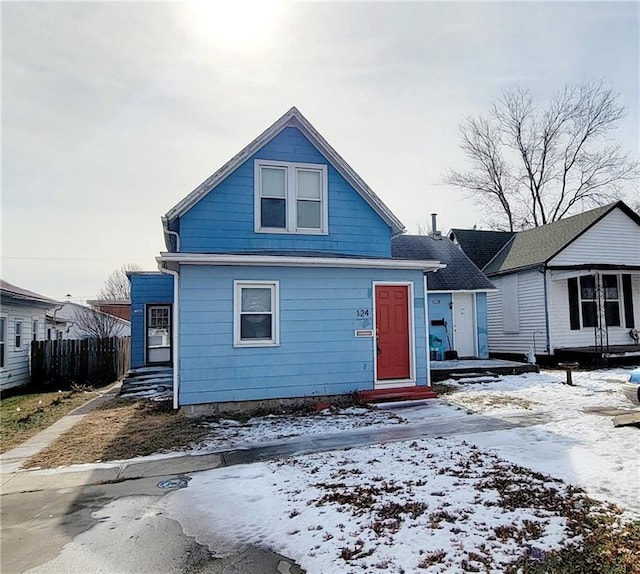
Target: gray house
column 22, row 320
column 568, row 288
column 456, row 296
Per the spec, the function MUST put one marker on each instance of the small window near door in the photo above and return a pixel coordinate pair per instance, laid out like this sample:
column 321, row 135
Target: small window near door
column 588, row 300
column 18, row 335
column 34, row 330
column 3, row 338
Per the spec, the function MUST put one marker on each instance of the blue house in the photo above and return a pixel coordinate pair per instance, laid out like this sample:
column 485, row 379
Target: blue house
column 278, row 282
column 456, row 298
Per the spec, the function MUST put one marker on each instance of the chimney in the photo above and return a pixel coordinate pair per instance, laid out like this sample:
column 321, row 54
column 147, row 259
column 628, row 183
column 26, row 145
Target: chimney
column 434, row 226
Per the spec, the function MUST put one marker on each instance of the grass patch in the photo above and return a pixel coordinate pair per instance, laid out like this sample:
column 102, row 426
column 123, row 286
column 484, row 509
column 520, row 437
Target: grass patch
column 122, row 429
column 23, row 416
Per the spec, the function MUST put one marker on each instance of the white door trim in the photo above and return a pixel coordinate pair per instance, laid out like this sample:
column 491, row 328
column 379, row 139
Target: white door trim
column 474, row 322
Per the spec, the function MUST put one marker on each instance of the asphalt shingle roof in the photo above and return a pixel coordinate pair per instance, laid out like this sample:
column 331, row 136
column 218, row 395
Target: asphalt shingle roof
column 460, row 273
column 538, row 245
column 19, row 293
column 481, row 246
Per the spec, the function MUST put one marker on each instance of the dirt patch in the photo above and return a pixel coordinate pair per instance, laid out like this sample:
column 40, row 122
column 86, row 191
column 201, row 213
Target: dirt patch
column 122, row 429
column 24, row 416
column 482, row 402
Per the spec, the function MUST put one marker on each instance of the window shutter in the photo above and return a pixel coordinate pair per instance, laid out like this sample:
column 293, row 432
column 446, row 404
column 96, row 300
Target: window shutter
column 628, row 301
column 574, row 310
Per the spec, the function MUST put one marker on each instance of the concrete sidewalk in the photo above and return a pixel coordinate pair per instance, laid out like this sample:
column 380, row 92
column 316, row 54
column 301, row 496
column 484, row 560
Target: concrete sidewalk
column 85, row 474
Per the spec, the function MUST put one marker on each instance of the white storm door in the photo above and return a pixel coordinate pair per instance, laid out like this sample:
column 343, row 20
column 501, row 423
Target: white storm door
column 158, row 334
column 464, row 324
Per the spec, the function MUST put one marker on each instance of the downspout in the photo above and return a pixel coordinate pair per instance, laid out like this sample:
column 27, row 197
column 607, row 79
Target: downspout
column 165, row 225
column 174, row 334
column 545, row 275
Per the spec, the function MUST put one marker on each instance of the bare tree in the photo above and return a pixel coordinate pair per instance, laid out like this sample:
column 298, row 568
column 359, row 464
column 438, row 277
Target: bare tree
column 94, row 323
column 531, row 166
column 117, row 287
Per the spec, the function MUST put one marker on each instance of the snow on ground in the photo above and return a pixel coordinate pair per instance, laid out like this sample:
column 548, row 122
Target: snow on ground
column 433, row 505
column 227, row 434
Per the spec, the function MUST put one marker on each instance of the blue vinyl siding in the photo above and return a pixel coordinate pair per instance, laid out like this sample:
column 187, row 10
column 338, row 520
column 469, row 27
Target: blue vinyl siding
column 318, row 352
column 223, row 220
column 483, row 332
column 146, row 289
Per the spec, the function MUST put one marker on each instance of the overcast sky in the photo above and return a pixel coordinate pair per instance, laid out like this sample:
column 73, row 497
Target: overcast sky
column 113, row 112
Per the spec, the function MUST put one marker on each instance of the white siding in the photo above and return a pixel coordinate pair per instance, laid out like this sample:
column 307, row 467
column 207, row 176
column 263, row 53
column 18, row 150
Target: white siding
column 531, row 315
column 614, row 240
column 561, row 334
column 16, row 371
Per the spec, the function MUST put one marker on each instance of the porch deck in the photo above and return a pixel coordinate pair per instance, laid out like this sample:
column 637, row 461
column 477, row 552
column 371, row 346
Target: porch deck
column 442, row 370
column 595, row 353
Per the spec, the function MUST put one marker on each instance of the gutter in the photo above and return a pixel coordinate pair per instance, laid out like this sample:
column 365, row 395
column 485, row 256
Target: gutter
column 174, row 333
column 296, row 261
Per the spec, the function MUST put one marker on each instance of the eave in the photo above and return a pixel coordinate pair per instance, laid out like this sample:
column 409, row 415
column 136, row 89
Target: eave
column 218, row 259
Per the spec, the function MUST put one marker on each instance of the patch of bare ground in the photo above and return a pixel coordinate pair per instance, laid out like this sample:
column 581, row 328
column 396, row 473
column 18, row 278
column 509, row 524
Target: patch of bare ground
column 25, row 415
column 121, row 429
column 482, row 402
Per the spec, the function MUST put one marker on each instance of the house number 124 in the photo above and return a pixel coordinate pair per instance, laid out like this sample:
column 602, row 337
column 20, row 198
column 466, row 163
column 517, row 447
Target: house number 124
column 362, row 313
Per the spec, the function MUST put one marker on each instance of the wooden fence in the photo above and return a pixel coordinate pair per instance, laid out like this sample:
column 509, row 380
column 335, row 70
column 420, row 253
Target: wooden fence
column 87, row 361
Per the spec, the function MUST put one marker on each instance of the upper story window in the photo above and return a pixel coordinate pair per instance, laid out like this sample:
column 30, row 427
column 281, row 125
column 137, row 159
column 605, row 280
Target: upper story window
column 290, row 198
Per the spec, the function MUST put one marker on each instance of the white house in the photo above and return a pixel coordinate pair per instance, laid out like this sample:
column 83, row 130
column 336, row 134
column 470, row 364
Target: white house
column 22, row 320
column 568, row 288
column 65, row 322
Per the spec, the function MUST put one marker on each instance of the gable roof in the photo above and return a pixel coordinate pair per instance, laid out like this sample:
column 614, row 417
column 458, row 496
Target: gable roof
column 293, row 118
column 19, row 293
column 538, row 245
column 460, row 274
column 481, row 246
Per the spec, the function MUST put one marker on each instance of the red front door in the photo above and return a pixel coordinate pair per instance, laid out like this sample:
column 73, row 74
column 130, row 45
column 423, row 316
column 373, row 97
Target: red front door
column 392, row 331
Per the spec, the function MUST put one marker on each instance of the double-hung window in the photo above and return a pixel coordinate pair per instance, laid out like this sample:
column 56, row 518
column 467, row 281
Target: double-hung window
column 18, row 334
column 3, row 338
column 256, row 321
column 589, row 295
column 290, row 197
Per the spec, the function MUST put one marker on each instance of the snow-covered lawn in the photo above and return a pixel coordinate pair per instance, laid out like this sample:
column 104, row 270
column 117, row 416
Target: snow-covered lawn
column 449, row 504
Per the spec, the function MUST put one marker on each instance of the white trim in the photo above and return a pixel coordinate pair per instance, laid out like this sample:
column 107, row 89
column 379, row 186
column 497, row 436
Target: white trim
column 291, row 261
column 426, row 330
column 174, row 332
column 295, row 119
column 274, row 286
column 290, row 197
column 396, row 383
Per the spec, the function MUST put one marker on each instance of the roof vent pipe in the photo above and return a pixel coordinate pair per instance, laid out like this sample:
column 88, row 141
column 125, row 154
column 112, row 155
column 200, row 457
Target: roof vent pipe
column 434, row 225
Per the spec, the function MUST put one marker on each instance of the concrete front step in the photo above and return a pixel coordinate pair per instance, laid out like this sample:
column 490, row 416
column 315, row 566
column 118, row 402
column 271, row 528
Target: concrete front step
column 399, row 394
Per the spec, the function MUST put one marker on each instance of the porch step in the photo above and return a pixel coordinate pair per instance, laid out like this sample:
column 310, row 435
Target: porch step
column 156, row 380
column 400, row 394
column 485, row 377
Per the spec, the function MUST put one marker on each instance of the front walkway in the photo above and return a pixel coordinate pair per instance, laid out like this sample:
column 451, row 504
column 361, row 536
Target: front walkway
column 78, row 475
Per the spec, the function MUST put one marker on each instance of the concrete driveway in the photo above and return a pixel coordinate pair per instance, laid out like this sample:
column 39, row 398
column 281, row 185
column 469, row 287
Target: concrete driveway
column 122, row 531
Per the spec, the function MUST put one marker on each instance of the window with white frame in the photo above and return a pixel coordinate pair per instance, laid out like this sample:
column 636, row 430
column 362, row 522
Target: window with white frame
column 290, row 197
column 34, row 330
column 18, row 334
column 589, row 294
column 3, row 338
column 256, row 314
